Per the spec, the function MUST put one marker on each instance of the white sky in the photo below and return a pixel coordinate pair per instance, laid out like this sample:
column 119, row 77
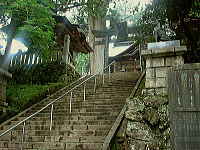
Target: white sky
column 16, row 46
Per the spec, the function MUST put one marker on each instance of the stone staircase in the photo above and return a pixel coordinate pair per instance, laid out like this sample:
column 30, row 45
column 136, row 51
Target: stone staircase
column 85, row 128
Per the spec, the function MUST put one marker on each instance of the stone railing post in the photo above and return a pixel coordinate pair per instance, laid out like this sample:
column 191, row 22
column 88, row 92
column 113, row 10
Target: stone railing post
column 158, row 61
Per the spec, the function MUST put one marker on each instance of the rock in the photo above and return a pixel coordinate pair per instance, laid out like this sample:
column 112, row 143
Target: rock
column 140, row 131
column 134, row 116
column 164, row 117
column 137, row 145
column 155, row 101
column 148, row 123
column 151, row 115
column 135, row 105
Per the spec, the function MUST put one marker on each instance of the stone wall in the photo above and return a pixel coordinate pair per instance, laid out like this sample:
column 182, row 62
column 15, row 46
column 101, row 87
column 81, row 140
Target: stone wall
column 158, row 61
column 148, row 125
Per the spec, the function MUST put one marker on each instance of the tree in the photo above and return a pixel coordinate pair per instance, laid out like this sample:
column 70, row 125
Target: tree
column 97, row 23
column 184, row 16
column 179, row 19
column 30, row 20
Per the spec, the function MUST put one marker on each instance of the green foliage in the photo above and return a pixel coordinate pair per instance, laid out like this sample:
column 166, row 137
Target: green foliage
column 151, row 17
column 37, row 29
column 23, row 96
column 33, row 21
column 155, row 12
column 93, row 8
column 82, row 62
column 38, row 74
column 195, row 11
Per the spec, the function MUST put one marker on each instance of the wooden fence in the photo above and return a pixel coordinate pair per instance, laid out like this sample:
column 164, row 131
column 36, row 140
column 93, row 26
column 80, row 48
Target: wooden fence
column 184, row 106
column 32, row 59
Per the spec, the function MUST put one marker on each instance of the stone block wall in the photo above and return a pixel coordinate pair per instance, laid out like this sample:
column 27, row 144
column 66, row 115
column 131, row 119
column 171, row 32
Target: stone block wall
column 158, row 61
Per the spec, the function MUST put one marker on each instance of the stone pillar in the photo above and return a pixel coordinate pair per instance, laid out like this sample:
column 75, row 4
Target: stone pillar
column 3, row 82
column 158, row 61
column 97, row 42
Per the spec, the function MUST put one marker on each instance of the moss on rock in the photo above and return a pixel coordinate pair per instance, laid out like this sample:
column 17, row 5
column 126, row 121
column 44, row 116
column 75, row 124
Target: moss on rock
column 148, row 122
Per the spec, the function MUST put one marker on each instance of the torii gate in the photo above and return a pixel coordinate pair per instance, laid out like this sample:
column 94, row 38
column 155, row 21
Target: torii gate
column 99, row 38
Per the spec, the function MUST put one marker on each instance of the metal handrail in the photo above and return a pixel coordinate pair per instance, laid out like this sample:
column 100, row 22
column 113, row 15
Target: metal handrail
column 57, row 99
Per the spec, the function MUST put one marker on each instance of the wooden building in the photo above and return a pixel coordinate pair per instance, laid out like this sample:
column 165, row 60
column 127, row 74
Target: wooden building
column 127, row 61
column 70, row 39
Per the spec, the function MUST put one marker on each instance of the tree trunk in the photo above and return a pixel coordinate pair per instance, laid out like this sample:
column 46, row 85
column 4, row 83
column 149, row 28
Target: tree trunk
column 97, row 58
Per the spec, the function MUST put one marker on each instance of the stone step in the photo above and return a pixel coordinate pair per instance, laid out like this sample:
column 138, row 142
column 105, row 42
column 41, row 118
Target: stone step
column 85, row 105
column 76, row 101
column 76, row 109
column 62, row 125
column 102, row 94
column 50, row 146
column 105, row 89
column 69, row 118
column 83, row 129
column 111, row 84
column 94, row 131
column 66, row 122
column 90, row 105
column 97, row 96
column 57, row 114
column 98, row 90
column 65, row 110
column 88, row 100
column 59, row 138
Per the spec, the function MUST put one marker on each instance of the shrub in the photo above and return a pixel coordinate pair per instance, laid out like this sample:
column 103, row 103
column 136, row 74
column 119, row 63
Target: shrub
column 44, row 73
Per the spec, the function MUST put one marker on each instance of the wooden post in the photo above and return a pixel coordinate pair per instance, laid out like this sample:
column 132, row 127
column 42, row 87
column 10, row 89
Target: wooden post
column 66, row 49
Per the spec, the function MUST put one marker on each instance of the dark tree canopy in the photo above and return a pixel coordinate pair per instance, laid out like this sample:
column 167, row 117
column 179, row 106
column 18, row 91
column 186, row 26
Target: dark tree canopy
column 184, row 17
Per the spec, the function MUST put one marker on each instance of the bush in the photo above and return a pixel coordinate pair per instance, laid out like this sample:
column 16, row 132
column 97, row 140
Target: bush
column 20, row 97
column 38, row 74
